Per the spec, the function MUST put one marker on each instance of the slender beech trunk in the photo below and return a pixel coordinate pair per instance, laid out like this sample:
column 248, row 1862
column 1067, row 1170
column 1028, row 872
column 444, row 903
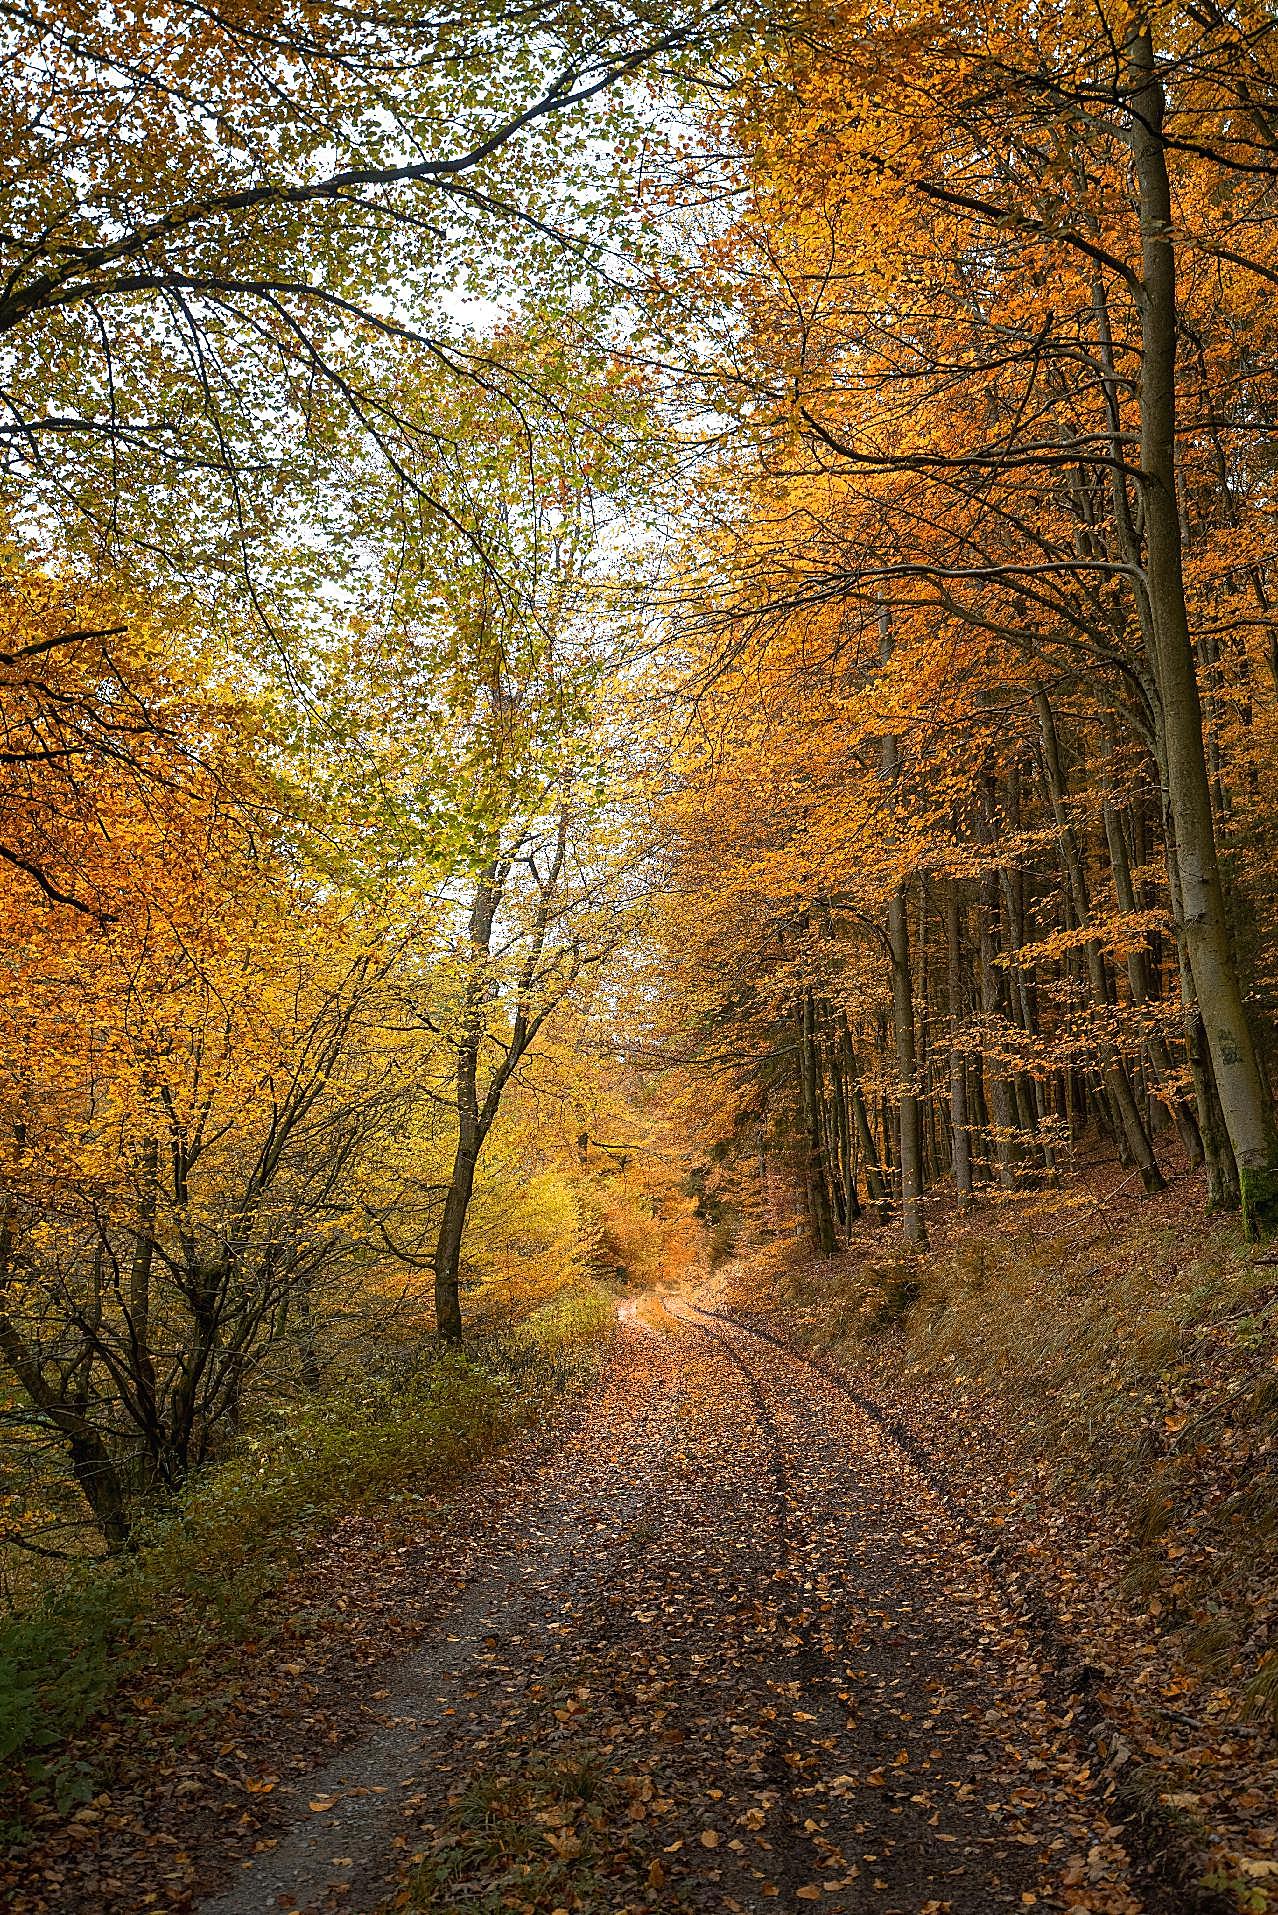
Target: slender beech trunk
column 1222, row 1171
column 911, row 1137
column 961, row 1143
column 889, row 1152
column 1118, row 1084
column 1002, row 1113
column 1243, row 1093
column 820, row 1211
column 845, row 1138
column 875, row 1187
column 476, row 1115
column 141, row 1361
column 831, row 1134
column 898, row 933
column 1027, row 1089
column 452, row 1225
column 982, row 1128
column 875, row 1184
column 1160, row 1059
column 311, row 1369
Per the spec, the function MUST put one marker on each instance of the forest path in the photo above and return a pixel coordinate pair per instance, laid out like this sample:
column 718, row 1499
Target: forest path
column 730, row 1653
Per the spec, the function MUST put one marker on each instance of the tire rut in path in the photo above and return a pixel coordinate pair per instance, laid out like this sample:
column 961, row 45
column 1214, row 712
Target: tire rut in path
column 795, row 1677
column 922, row 1742
column 568, row 1533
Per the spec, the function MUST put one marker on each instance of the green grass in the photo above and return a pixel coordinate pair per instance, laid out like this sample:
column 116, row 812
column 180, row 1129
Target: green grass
column 536, row 1841
column 204, row 1570
column 537, row 1833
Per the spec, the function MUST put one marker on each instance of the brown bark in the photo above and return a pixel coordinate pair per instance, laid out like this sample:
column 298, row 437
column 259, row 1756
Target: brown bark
column 1118, row 1084
column 910, row 1133
column 960, row 1138
column 820, row 1211
column 1159, row 1057
column 1244, row 1096
column 1002, row 1114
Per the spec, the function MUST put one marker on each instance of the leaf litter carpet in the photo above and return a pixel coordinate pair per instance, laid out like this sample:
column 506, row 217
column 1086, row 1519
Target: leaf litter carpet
column 724, row 1650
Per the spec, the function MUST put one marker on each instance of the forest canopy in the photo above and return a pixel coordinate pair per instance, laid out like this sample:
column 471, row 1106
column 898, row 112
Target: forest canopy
column 638, row 830
column 617, row 626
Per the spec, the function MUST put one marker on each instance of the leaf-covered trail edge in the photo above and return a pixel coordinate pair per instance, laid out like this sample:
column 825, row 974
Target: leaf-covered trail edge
column 717, row 1645
column 730, row 1608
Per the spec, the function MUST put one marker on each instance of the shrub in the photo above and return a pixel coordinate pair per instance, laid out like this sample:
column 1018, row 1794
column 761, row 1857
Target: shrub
column 202, row 1568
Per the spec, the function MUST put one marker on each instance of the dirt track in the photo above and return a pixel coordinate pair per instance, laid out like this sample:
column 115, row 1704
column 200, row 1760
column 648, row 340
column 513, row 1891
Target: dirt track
column 734, row 1610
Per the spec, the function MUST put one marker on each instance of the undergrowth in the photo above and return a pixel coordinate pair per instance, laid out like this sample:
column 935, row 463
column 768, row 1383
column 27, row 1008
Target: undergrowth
column 1097, row 1375
column 1131, row 1347
column 545, row 1834
column 203, row 1569
column 535, row 1841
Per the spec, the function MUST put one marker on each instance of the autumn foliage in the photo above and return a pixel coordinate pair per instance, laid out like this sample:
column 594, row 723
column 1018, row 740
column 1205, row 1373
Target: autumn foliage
column 970, row 825
column 630, row 636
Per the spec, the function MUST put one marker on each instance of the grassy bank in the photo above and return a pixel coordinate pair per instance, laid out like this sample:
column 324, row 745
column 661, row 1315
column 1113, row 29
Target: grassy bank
column 1095, row 1378
column 210, row 1575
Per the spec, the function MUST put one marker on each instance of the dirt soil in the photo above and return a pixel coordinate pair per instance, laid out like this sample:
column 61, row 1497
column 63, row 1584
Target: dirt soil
column 720, row 1648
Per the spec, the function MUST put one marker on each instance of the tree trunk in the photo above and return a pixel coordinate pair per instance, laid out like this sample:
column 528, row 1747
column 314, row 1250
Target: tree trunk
column 452, row 1225
column 844, row 1137
column 311, row 1369
column 912, row 1225
column 1118, row 1084
column 1222, row 1172
column 448, row 1318
column 875, row 1186
column 1244, row 1096
column 138, row 1316
column 92, row 1464
column 961, row 1143
column 910, row 1131
column 1002, row 1115
column 1160, row 1060
column 814, row 1166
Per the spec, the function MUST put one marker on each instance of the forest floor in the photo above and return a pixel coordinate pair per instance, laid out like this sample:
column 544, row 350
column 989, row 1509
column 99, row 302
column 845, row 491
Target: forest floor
column 1087, row 1379
column 730, row 1634
column 718, row 1645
